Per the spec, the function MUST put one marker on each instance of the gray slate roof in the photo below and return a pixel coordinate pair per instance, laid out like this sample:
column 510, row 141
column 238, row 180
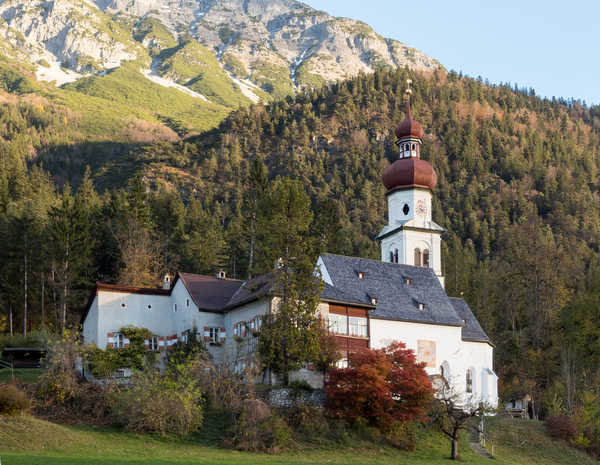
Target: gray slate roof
column 472, row 330
column 387, row 282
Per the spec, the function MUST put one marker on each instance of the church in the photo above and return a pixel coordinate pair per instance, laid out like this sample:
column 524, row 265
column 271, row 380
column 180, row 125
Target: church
column 366, row 303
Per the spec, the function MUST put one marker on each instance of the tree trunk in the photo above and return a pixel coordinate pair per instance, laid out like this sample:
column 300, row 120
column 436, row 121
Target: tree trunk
column 43, row 302
column 454, row 453
column 10, row 316
column 25, row 290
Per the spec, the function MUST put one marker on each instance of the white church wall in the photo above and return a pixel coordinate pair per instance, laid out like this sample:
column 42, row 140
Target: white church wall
column 446, row 338
column 410, row 197
column 479, row 356
column 451, row 352
column 135, row 312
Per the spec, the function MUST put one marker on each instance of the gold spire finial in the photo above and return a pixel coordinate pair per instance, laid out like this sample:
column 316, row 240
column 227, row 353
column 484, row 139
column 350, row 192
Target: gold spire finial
column 407, row 94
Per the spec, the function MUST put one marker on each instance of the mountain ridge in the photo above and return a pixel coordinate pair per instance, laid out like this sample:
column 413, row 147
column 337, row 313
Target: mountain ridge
column 280, row 46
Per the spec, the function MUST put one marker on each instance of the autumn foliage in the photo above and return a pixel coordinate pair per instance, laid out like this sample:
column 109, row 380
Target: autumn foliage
column 381, row 386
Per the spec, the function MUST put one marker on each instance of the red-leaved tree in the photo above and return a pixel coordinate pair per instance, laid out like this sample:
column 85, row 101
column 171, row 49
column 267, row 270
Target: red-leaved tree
column 382, row 386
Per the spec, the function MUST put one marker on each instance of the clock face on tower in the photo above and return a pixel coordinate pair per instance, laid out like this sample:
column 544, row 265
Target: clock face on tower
column 421, row 209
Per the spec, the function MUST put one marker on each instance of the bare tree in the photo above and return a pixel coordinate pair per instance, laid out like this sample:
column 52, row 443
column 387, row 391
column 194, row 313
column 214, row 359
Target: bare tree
column 455, row 412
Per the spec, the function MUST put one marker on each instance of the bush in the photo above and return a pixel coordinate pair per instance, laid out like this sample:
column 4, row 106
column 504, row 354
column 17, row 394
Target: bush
column 309, row 421
column 402, row 435
column 298, row 387
column 562, row 427
column 380, row 386
column 159, row 404
column 258, row 430
column 12, row 400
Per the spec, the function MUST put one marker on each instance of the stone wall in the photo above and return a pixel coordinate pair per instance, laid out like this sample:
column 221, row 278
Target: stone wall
column 287, row 397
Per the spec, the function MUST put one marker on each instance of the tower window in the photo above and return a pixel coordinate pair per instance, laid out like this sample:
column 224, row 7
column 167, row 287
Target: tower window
column 395, row 256
column 426, row 258
column 391, row 257
column 418, row 257
column 361, row 275
column 414, row 147
column 406, row 209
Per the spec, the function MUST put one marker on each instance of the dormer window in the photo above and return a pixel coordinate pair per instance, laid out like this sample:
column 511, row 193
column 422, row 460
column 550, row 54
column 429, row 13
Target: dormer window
column 408, row 281
column 421, row 306
column 374, row 300
column 361, row 275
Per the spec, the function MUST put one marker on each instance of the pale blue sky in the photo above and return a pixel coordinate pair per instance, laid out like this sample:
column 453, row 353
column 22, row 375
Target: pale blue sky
column 551, row 46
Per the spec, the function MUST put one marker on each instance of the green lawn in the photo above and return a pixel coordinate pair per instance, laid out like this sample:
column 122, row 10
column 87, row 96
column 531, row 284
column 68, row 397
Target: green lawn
column 25, row 375
column 29, row 441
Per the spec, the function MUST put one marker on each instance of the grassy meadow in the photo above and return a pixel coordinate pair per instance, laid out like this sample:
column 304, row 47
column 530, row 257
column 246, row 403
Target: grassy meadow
column 29, row 441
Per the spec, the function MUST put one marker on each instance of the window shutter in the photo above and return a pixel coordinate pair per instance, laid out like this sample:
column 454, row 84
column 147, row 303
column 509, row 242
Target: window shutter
column 110, row 342
column 244, row 328
column 146, row 344
column 222, row 335
column 161, row 343
column 125, row 342
column 206, row 334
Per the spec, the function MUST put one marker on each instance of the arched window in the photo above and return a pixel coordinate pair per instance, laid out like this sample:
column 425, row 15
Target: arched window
column 426, row 258
column 418, row 257
column 469, row 380
column 396, row 256
column 391, row 257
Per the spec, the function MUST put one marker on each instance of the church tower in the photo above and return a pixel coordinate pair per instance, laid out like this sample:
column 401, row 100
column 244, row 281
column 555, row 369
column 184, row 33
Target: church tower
column 411, row 237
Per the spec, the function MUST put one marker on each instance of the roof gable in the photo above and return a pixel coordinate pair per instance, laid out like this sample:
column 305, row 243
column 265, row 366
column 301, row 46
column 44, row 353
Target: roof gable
column 399, row 289
column 472, row 330
column 209, row 292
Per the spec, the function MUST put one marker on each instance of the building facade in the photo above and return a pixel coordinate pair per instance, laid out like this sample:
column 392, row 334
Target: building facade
column 366, row 303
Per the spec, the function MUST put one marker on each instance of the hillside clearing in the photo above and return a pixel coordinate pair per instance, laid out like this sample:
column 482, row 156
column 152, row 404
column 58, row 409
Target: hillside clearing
column 29, row 441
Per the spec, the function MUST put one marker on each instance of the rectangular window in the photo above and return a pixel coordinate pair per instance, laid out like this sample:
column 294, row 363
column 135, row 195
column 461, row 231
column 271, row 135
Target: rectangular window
column 119, row 340
column 213, row 335
column 338, row 324
column 153, row 346
column 357, row 326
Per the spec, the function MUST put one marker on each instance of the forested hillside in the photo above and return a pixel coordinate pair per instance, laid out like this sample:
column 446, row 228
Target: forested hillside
column 518, row 192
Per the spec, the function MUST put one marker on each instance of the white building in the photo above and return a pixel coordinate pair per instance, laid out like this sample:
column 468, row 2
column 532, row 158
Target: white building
column 368, row 303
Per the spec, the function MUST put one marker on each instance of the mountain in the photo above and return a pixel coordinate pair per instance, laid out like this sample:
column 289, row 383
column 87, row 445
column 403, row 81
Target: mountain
column 229, row 52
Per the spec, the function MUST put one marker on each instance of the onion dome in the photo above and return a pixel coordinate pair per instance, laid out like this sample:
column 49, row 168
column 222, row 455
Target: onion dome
column 409, row 172
column 409, row 128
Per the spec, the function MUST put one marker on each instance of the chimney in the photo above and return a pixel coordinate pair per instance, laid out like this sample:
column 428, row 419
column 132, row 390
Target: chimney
column 167, row 282
column 221, row 274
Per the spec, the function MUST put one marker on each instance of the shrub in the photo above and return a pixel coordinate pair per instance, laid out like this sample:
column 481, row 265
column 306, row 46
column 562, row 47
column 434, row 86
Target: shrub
column 308, row 421
column 298, row 387
column 12, row 400
column 562, row 427
column 256, row 429
column 159, row 404
column 60, row 381
column 381, row 386
column 402, row 435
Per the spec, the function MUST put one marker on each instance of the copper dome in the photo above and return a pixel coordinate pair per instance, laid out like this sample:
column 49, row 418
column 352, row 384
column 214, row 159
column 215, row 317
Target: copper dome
column 409, row 128
column 409, row 172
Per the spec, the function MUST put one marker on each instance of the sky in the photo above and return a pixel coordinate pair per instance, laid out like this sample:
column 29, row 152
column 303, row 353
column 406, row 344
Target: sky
column 550, row 46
